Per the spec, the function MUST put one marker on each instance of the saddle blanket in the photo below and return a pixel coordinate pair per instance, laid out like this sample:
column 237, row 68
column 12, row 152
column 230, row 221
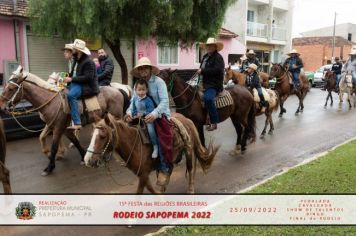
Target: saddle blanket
column 224, row 99
column 265, row 93
column 92, row 104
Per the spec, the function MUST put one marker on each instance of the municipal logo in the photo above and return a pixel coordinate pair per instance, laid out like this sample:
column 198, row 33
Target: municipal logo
column 25, row 211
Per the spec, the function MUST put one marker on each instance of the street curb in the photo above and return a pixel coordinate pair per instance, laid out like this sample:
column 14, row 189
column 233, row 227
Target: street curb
column 306, row 161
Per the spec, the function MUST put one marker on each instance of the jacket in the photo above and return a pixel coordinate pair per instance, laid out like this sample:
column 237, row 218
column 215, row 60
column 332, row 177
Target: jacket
column 289, row 62
column 253, row 81
column 86, row 76
column 249, row 61
column 213, row 71
column 337, row 66
column 142, row 105
column 107, row 68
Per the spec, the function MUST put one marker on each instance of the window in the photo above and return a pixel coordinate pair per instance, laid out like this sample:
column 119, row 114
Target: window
column 250, row 15
column 167, row 54
column 276, row 56
column 199, row 53
column 349, row 37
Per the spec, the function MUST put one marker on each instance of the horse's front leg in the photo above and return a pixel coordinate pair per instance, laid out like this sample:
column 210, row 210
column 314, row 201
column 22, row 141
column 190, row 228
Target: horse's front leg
column 43, row 141
column 238, row 129
column 190, row 168
column 331, row 98
column 265, row 128
column 349, row 99
column 327, row 98
column 71, row 136
column 5, row 178
column 282, row 109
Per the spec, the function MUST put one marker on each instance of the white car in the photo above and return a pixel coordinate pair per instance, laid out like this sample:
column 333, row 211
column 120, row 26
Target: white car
column 319, row 75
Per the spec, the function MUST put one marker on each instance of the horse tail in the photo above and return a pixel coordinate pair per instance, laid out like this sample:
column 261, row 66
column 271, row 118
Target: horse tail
column 204, row 155
column 275, row 109
column 251, row 124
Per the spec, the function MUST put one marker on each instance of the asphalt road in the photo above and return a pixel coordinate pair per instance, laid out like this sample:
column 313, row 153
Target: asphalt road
column 295, row 139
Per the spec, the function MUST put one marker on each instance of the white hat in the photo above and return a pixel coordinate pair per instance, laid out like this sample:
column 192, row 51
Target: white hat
column 144, row 61
column 210, row 41
column 251, row 52
column 68, row 46
column 293, row 52
column 253, row 66
column 80, row 45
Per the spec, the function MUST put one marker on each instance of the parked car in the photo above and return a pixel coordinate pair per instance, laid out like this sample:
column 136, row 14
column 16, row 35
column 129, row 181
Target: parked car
column 310, row 76
column 31, row 121
column 319, row 75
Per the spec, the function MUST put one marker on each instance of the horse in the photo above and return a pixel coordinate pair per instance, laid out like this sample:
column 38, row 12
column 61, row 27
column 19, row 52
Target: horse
column 284, row 88
column 110, row 134
column 345, row 86
column 330, row 86
column 4, row 172
column 189, row 103
column 240, row 78
column 51, row 106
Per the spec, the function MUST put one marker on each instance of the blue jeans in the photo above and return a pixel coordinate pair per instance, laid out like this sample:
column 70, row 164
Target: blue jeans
column 152, row 133
column 162, row 163
column 354, row 76
column 75, row 91
column 338, row 77
column 295, row 78
column 209, row 100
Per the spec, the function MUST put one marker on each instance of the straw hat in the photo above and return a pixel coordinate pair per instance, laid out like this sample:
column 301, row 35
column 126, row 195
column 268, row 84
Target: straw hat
column 211, row 41
column 251, row 52
column 144, row 61
column 68, row 46
column 80, row 45
column 253, row 66
column 293, row 52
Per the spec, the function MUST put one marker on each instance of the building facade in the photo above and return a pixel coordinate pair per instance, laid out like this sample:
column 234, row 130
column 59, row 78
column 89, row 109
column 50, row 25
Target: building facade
column 317, row 51
column 264, row 26
column 347, row 31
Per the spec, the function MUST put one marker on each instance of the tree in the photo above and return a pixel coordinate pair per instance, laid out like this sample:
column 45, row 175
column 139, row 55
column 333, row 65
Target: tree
column 114, row 20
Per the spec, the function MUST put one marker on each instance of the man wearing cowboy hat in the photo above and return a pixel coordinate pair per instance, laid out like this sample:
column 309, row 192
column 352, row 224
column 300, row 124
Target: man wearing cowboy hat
column 84, row 83
column 253, row 81
column 68, row 55
column 212, row 73
column 350, row 65
column 336, row 68
column 294, row 65
column 157, row 90
column 250, row 59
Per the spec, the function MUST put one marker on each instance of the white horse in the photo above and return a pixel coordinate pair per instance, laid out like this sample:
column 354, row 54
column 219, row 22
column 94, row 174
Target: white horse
column 345, row 86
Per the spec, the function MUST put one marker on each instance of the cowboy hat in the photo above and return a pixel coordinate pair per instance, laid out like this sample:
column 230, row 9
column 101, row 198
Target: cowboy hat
column 212, row 41
column 68, row 46
column 251, row 52
column 253, row 66
column 293, row 52
column 353, row 51
column 80, row 45
column 144, row 61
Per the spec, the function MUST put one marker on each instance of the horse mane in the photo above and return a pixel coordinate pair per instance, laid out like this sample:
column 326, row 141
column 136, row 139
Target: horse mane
column 41, row 83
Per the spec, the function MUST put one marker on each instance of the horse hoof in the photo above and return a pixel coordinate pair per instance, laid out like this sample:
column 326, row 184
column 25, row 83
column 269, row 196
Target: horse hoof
column 191, row 191
column 59, row 157
column 270, row 132
column 82, row 163
column 44, row 173
column 280, row 115
column 262, row 136
column 234, row 153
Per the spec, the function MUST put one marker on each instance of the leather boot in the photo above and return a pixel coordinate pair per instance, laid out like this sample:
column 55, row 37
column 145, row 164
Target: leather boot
column 163, row 179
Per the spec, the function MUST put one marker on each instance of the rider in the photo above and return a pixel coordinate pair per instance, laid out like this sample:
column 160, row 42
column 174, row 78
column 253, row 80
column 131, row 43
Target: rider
column 212, row 71
column 294, row 64
column 251, row 59
column 107, row 68
column 253, row 81
column 84, row 83
column 350, row 65
column 157, row 89
column 336, row 68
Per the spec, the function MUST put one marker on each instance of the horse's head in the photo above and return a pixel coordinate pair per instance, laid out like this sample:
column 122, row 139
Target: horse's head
column 12, row 92
column 228, row 74
column 102, row 142
column 329, row 75
column 166, row 75
column 277, row 70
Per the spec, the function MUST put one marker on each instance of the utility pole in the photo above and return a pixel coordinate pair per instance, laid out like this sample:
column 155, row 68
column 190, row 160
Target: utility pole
column 333, row 47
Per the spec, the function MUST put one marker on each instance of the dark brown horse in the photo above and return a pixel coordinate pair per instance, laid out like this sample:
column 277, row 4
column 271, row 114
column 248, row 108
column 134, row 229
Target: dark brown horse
column 240, row 78
column 284, row 88
column 189, row 103
column 330, row 86
column 4, row 172
column 50, row 105
column 115, row 135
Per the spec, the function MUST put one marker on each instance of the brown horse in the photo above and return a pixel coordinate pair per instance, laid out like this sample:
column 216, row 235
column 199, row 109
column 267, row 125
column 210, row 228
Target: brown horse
column 240, row 78
column 330, row 86
column 189, row 103
column 284, row 88
column 110, row 134
column 50, row 105
column 4, row 172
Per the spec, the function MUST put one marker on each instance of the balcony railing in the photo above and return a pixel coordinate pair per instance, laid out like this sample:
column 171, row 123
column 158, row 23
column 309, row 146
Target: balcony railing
column 256, row 29
column 279, row 33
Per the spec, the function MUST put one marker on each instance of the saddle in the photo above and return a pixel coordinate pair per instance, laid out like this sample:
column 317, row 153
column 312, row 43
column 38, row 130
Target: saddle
column 140, row 124
column 87, row 104
column 223, row 99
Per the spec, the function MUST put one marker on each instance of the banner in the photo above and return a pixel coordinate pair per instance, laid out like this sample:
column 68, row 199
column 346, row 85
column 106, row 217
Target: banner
column 178, row 210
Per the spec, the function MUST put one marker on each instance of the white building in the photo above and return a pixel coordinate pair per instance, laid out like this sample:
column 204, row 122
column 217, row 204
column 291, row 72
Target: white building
column 264, row 26
column 346, row 30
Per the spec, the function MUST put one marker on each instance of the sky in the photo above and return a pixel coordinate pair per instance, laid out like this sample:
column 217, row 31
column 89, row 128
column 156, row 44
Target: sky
column 314, row 14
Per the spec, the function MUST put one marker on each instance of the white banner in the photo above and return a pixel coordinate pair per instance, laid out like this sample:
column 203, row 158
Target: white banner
column 177, row 209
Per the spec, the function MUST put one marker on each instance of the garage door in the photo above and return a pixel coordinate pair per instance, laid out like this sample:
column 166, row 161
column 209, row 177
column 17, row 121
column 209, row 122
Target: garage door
column 45, row 55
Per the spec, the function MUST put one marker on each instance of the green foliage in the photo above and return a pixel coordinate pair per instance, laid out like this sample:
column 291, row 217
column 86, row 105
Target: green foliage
column 186, row 20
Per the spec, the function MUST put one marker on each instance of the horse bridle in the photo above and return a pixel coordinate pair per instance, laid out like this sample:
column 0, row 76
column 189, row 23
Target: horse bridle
column 10, row 101
column 279, row 76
